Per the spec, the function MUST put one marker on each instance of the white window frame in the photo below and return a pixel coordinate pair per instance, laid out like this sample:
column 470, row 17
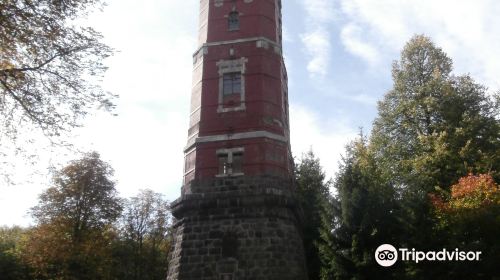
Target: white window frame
column 226, row 67
column 229, row 153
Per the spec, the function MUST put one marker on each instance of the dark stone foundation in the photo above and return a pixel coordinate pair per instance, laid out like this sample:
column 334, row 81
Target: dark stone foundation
column 235, row 229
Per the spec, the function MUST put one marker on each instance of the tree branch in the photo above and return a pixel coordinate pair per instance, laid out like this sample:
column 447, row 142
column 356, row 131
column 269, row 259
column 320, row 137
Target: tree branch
column 38, row 67
column 20, row 101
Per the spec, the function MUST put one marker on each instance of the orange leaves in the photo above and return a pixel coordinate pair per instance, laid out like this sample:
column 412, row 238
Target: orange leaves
column 471, row 192
column 437, row 201
column 473, row 185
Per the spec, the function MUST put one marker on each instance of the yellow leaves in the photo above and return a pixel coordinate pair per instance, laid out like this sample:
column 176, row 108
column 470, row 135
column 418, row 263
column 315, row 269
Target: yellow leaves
column 5, row 64
column 471, row 192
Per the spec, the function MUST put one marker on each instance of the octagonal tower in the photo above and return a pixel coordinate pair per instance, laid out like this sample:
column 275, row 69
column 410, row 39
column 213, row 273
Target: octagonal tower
column 237, row 217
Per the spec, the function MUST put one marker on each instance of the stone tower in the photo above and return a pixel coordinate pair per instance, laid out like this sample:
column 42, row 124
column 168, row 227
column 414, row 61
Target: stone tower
column 237, row 217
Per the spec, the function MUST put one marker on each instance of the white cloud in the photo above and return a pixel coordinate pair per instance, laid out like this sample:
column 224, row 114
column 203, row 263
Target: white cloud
column 467, row 30
column 152, row 74
column 318, row 48
column 316, row 39
column 327, row 138
column 319, row 10
column 351, row 37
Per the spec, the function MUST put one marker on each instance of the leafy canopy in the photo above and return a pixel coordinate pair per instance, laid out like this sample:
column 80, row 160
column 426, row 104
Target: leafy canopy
column 83, row 196
column 434, row 128
column 50, row 70
column 75, row 221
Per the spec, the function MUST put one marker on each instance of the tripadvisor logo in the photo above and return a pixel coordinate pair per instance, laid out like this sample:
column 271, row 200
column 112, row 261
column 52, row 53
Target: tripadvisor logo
column 387, row 255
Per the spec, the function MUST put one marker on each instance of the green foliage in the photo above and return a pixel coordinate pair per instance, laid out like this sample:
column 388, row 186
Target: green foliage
column 75, row 219
column 366, row 216
column 83, row 195
column 432, row 129
column 50, row 74
column 11, row 265
column 48, row 66
column 145, row 238
column 314, row 196
column 82, row 232
column 470, row 219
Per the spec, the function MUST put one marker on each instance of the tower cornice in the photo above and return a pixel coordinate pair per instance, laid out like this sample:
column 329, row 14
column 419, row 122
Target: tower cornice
column 235, row 136
column 205, row 46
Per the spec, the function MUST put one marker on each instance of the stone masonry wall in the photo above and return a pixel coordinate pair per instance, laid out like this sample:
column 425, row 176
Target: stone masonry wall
column 237, row 231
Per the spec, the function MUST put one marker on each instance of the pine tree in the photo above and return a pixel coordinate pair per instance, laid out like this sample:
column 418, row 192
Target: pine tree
column 366, row 216
column 432, row 129
column 314, row 195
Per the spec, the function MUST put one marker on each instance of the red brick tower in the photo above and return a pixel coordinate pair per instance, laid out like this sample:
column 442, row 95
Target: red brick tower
column 237, row 216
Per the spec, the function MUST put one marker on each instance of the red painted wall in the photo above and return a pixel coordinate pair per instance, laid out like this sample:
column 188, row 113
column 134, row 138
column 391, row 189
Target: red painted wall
column 265, row 91
column 258, row 19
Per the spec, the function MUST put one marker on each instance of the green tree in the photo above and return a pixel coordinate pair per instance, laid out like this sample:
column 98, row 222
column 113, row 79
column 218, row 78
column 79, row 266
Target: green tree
column 75, row 217
column 365, row 216
column 11, row 264
column 434, row 128
column 470, row 219
column 314, row 196
column 145, row 238
column 50, row 69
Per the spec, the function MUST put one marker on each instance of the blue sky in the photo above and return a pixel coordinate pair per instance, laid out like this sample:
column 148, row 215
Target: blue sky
column 338, row 54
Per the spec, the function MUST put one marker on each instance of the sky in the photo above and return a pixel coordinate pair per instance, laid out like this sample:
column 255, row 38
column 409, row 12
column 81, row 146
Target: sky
column 338, row 55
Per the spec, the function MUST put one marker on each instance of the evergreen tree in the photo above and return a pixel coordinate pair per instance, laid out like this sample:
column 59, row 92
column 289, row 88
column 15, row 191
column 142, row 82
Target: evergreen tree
column 314, row 195
column 434, row 128
column 365, row 216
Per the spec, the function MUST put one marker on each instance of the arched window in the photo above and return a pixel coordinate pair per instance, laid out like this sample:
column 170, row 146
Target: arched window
column 234, row 21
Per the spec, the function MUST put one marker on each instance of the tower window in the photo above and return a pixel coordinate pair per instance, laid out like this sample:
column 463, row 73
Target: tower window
column 232, row 83
column 223, row 164
column 231, row 95
column 237, row 162
column 230, row 162
column 234, row 21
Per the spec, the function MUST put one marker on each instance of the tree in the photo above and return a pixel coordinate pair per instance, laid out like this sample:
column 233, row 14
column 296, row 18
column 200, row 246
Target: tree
column 314, row 197
column 75, row 217
column 470, row 218
column 49, row 67
column 83, row 196
column 365, row 216
column 434, row 128
column 145, row 238
column 11, row 264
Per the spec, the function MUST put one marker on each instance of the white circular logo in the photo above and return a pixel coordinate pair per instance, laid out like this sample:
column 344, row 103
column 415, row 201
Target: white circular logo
column 386, row 255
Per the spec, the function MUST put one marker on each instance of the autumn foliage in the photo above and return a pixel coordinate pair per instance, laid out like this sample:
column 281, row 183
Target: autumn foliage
column 471, row 192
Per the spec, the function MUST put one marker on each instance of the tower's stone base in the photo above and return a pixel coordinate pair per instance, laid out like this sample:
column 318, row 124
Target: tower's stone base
column 235, row 229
